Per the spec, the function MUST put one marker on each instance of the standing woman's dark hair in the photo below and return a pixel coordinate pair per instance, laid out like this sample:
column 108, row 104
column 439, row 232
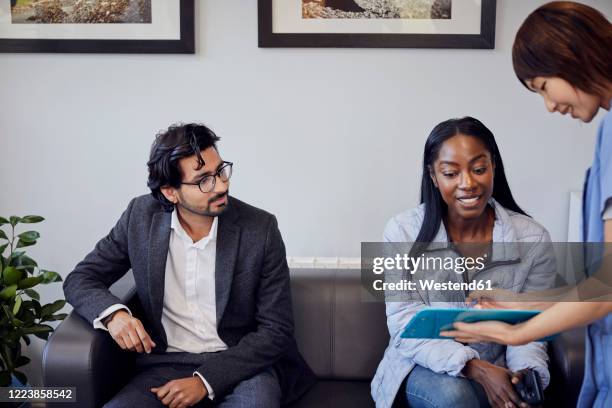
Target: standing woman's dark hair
column 568, row 40
column 435, row 207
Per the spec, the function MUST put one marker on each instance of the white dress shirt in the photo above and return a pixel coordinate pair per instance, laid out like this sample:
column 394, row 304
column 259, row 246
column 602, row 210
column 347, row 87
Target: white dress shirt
column 189, row 314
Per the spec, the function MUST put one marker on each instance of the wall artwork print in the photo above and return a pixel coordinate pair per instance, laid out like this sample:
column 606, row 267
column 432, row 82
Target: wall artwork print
column 80, row 12
column 97, row 26
column 421, row 9
column 377, row 23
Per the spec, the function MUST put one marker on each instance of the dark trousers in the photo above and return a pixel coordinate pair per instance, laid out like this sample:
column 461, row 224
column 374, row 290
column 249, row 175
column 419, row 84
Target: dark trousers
column 262, row 390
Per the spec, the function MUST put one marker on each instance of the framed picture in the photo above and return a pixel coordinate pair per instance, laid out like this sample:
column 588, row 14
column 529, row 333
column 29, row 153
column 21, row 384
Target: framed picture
column 377, row 23
column 97, row 26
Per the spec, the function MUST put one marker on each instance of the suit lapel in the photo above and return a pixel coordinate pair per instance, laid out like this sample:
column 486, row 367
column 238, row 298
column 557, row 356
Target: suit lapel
column 228, row 239
column 159, row 240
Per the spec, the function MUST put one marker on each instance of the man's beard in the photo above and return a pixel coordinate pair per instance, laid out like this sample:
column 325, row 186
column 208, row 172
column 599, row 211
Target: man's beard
column 207, row 211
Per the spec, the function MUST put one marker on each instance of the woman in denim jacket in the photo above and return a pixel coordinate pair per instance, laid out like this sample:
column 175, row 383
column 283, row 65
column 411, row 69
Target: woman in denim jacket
column 466, row 207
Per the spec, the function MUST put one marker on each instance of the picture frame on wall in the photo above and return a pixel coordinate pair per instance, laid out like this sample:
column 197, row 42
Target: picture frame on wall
column 97, row 26
column 377, row 23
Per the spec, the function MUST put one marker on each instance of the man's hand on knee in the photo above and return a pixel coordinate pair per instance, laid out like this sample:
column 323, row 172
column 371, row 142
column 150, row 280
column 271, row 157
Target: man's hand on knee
column 181, row 393
column 129, row 332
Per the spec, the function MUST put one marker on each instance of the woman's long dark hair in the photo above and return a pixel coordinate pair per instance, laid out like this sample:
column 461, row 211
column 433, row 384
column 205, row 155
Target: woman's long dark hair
column 435, row 207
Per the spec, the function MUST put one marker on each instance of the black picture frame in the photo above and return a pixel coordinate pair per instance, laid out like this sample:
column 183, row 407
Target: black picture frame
column 184, row 45
column 484, row 40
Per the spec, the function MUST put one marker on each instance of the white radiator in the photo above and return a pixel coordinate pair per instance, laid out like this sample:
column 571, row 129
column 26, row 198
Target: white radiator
column 323, row 262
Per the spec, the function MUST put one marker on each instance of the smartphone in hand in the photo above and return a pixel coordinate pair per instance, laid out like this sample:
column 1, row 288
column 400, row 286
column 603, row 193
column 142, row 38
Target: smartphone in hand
column 530, row 388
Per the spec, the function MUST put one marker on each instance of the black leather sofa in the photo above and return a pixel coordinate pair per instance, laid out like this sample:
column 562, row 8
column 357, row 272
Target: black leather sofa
column 340, row 332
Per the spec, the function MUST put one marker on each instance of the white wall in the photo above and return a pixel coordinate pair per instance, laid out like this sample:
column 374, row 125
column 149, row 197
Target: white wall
column 330, row 140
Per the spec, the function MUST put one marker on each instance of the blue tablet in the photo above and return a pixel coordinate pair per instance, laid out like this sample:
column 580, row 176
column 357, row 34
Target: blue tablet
column 428, row 323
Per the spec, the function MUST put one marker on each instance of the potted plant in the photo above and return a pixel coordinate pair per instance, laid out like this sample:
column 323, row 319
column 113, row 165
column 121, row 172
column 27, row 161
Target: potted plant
column 21, row 313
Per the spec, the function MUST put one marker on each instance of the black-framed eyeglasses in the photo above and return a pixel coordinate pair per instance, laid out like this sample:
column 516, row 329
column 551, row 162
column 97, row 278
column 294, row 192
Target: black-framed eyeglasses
column 207, row 183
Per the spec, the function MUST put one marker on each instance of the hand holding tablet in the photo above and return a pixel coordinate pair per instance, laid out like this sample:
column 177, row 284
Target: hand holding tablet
column 428, row 323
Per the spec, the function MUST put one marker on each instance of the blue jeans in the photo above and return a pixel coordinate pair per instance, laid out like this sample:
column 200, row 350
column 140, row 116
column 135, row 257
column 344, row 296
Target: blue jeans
column 426, row 389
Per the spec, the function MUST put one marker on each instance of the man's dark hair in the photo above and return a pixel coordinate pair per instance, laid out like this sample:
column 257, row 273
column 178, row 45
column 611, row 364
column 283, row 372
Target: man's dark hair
column 171, row 145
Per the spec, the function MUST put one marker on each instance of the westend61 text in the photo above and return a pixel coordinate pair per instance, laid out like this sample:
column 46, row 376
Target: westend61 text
column 431, row 284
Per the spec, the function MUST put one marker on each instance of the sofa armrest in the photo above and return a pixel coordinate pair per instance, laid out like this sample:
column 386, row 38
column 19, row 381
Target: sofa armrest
column 77, row 355
column 567, row 367
column 568, row 351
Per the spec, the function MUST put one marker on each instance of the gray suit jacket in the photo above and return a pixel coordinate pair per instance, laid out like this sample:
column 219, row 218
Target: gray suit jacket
column 253, row 297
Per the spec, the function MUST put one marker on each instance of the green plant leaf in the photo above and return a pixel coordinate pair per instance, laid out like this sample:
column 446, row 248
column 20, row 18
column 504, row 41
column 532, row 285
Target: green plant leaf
column 55, row 317
column 21, row 361
column 16, row 257
column 37, row 308
column 31, row 219
column 17, row 323
column 17, row 305
column 13, row 220
column 30, row 281
column 2, row 248
column 5, row 378
column 7, row 312
column 10, row 343
column 26, row 339
column 3, row 221
column 12, row 339
column 32, row 293
column 3, row 235
column 29, row 236
column 27, row 261
column 43, row 336
column 26, row 315
column 11, row 275
column 20, row 376
column 37, row 329
column 51, row 308
column 23, row 244
column 8, row 292
column 5, row 352
column 50, row 276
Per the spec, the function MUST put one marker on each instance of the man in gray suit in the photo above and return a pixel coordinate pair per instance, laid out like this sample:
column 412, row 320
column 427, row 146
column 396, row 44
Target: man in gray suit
column 212, row 279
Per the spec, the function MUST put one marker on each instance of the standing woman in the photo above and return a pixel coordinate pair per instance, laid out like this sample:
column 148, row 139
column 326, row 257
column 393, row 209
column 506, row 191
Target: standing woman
column 563, row 52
